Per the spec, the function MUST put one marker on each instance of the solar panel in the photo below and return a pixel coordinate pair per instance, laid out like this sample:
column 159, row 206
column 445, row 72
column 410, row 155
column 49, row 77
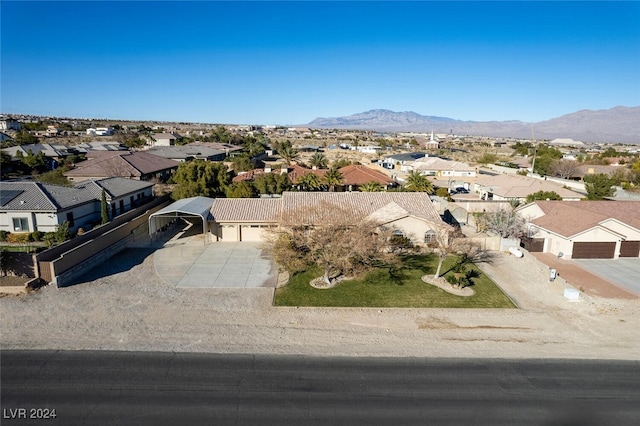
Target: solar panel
column 6, row 195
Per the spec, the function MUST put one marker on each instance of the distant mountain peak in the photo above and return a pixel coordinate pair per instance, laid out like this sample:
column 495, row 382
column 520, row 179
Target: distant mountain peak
column 618, row 124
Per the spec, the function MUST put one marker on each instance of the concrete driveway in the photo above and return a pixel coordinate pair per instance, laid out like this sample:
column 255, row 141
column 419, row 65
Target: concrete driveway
column 189, row 263
column 624, row 272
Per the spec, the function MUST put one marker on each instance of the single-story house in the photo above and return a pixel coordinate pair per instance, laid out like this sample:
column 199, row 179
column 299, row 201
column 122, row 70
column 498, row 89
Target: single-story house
column 164, row 139
column 411, row 214
column 435, row 166
column 354, row 175
column 36, row 206
column 193, row 151
column 54, row 152
column 133, row 165
column 400, row 159
column 584, row 230
column 510, row 186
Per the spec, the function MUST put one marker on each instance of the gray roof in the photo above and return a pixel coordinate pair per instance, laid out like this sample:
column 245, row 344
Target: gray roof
column 200, row 206
column 114, row 187
column 407, row 156
column 47, row 149
column 185, row 151
column 37, row 196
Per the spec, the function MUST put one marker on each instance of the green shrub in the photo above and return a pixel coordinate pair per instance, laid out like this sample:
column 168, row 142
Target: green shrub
column 3, row 236
column 36, row 236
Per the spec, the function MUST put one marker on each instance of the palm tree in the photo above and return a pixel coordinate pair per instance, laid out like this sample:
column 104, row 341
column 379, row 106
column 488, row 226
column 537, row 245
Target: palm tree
column 332, row 178
column 309, row 182
column 372, row 186
column 416, row 182
column 318, row 160
column 287, row 152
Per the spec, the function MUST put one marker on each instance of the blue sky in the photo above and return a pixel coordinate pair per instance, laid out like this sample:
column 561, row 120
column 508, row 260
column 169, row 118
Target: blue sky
column 290, row 62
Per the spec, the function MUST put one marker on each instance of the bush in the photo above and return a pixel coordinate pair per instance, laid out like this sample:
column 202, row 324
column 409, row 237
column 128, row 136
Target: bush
column 19, row 237
column 36, row 236
column 3, row 236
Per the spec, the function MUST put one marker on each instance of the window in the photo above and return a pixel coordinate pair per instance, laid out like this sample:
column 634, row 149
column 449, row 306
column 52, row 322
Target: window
column 20, row 224
column 397, row 233
column 429, row 237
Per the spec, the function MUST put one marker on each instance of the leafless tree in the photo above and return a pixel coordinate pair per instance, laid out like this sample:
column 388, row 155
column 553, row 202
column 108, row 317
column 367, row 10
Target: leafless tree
column 338, row 240
column 564, row 168
column 506, row 223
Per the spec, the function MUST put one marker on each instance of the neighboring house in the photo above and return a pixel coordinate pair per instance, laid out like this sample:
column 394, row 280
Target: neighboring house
column 353, row 175
column 100, row 146
column 189, row 152
column 35, row 206
column 5, row 137
column 401, row 159
column 511, row 186
column 585, row 230
column 165, row 139
column 434, row 166
column 591, row 169
column 356, row 175
column 410, row 214
column 133, row 165
column 10, row 124
column 100, row 131
column 54, row 152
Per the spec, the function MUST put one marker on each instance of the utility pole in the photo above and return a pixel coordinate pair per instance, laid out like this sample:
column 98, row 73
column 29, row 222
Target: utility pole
column 535, row 150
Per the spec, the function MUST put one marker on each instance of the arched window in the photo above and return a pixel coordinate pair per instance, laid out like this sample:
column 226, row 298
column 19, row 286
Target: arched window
column 430, row 237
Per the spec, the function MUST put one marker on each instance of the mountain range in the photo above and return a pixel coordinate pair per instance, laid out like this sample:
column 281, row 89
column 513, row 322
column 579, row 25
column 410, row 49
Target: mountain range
column 616, row 125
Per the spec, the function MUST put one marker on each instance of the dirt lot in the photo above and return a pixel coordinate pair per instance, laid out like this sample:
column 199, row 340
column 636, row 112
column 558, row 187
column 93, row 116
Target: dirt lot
column 133, row 309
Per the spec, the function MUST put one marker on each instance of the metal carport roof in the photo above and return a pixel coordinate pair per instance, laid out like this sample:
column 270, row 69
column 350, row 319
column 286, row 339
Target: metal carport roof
column 194, row 206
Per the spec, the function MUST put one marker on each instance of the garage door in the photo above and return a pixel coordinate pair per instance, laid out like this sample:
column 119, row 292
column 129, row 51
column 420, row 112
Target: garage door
column 593, row 250
column 630, row 249
column 251, row 233
column 229, row 233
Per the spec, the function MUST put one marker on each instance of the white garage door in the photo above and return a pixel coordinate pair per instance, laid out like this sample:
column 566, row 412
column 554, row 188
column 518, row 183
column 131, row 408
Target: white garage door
column 251, row 233
column 229, row 233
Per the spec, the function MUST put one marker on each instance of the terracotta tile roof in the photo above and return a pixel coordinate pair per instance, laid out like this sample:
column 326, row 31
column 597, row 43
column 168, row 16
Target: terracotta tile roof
column 365, row 204
column 296, row 172
column 516, row 186
column 379, row 206
column 249, row 176
column 245, row 209
column 356, row 174
column 571, row 218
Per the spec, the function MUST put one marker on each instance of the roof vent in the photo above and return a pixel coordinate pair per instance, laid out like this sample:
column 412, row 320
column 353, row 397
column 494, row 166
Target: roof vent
column 22, row 202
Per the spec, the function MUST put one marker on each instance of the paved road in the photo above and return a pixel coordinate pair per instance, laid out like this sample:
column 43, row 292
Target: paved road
column 181, row 388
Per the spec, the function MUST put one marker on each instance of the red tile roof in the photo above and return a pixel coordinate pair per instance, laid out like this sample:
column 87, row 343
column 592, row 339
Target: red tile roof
column 357, row 174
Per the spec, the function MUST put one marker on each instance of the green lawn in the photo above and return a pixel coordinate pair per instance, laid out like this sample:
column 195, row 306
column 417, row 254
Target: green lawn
column 379, row 289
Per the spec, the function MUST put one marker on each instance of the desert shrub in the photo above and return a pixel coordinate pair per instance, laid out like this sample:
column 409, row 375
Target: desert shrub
column 19, row 237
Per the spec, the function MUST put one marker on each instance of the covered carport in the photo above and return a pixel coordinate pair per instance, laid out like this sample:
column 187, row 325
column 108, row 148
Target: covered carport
column 195, row 210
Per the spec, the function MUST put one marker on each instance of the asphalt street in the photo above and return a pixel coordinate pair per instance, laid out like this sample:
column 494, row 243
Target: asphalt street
column 100, row 387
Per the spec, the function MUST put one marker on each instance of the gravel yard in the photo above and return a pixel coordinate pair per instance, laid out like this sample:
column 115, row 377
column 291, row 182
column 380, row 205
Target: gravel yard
column 134, row 309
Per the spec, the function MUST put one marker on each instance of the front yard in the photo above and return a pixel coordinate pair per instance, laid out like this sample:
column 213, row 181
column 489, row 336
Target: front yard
column 403, row 290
